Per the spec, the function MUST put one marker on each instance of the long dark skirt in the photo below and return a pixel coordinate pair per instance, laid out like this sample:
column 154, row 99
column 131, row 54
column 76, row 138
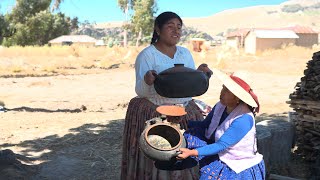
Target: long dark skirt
column 135, row 166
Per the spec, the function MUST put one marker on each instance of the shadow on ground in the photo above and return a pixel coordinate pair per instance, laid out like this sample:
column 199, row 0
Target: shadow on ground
column 278, row 116
column 91, row 151
column 29, row 109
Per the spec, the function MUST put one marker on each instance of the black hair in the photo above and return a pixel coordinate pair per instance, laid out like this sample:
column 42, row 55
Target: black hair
column 252, row 110
column 162, row 19
column 250, row 107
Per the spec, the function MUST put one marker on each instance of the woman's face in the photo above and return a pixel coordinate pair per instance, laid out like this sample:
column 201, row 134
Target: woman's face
column 170, row 32
column 227, row 98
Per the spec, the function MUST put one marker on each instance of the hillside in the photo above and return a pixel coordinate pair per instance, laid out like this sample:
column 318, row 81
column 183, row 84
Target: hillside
column 302, row 2
column 259, row 17
column 256, row 17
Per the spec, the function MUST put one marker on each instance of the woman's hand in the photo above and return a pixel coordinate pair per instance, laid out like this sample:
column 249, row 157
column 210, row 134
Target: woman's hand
column 204, row 68
column 150, row 76
column 186, row 153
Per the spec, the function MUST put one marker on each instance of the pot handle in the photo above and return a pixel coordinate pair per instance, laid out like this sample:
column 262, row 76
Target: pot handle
column 152, row 121
column 209, row 74
column 155, row 74
column 177, row 153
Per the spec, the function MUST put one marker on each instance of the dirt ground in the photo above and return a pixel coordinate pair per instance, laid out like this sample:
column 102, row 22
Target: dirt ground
column 70, row 126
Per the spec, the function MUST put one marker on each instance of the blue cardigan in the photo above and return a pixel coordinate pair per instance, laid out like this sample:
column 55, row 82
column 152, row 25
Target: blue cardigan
column 236, row 131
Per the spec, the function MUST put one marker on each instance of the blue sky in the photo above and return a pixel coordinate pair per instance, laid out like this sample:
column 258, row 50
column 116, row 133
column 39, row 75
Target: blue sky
column 108, row 10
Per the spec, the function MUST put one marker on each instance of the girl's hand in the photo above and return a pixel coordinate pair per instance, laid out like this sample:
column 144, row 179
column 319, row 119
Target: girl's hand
column 150, row 76
column 186, row 153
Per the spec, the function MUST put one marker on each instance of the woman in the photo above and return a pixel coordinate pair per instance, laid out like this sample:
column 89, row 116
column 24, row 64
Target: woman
column 225, row 142
column 162, row 54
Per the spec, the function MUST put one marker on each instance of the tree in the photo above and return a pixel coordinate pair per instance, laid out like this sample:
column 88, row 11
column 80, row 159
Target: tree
column 3, row 26
column 74, row 23
column 35, row 24
column 27, row 8
column 143, row 18
column 5, row 29
column 125, row 5
column 56, row 4
column 143, row 9
column 39, row 29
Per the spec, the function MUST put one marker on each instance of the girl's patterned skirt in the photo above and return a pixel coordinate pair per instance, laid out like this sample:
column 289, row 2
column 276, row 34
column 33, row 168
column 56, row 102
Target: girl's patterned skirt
column 211, row 167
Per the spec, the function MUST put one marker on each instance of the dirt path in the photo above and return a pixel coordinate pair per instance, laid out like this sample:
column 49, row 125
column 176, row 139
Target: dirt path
column 81, row 146
column 46, row 121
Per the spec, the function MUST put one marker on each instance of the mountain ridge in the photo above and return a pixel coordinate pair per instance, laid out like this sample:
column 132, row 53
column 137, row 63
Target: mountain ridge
column 262, row 16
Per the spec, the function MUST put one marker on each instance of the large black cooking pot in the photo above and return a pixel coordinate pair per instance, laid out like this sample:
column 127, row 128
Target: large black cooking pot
column 180, row 81
column 161, row 141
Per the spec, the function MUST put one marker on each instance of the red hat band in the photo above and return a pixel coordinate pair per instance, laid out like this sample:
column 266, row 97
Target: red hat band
column 247, row 88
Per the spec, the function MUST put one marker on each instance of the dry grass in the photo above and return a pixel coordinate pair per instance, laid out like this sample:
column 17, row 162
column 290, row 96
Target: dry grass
column 288, row 60
column 62, row 59
column 39, row 61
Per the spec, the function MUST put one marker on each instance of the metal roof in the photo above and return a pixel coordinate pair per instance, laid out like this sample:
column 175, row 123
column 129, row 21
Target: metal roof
column 197, row 39
column 73, row 38
column 288, row 34
column 297, row 29
column 301, row 29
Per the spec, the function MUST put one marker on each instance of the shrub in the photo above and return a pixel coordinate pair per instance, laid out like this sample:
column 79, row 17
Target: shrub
column 292, row 8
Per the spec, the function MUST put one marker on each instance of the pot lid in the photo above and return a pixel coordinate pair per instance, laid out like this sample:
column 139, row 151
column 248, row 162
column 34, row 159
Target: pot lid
column 179, row 68
column 171, row 110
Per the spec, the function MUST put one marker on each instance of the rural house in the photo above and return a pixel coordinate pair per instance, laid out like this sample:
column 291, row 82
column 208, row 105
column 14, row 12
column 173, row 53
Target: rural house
column 260, row 40
column 82, row 40
column 236, row 38
column 304, row 36
column 197, row 44
column 307, row 36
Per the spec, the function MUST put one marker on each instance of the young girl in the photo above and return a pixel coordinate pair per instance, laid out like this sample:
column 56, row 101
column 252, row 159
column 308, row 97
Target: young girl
column 225, row 143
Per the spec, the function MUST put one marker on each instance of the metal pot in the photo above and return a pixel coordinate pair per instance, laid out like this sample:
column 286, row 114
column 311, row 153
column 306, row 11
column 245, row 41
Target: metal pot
column 161, row 141
column 180, row 81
